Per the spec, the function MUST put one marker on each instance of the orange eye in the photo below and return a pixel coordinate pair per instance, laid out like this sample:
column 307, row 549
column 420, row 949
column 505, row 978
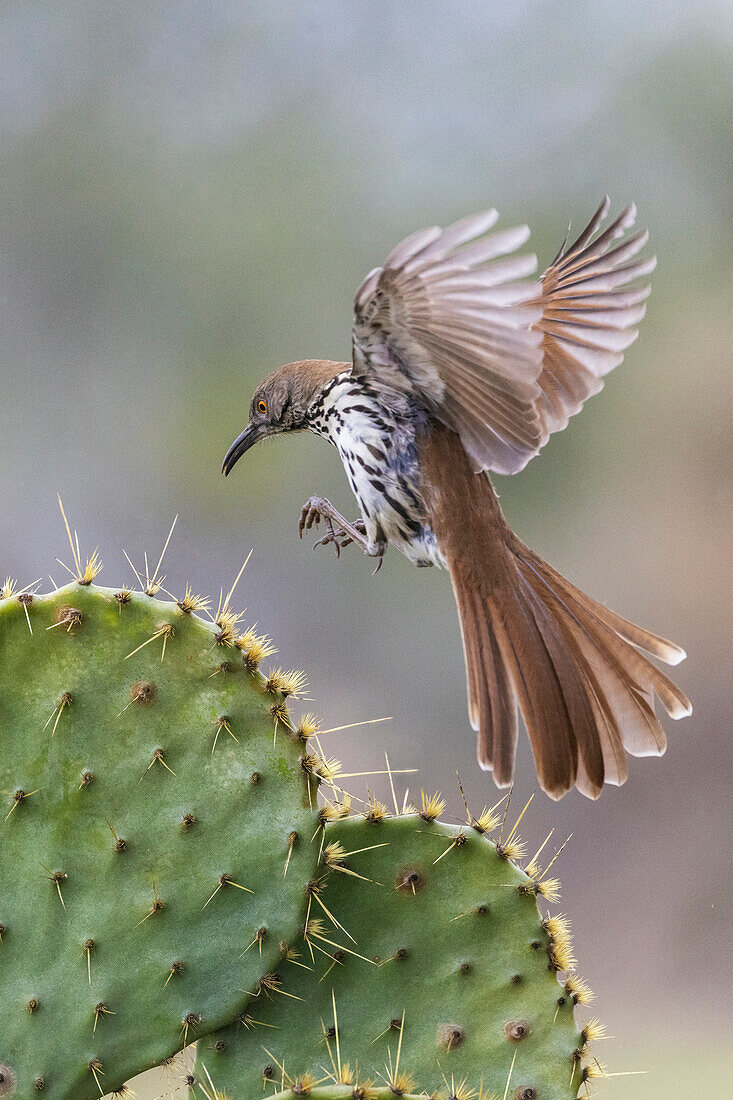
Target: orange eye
column 262, row 406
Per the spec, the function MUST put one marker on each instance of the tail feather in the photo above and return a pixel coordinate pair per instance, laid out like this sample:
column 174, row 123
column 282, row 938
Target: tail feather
column 614, row 769
column 617, row 635
column 534, row 643
column 585, row 692
column 539, row 689
column 492, row 701
column 631, row 723
column 653, row 644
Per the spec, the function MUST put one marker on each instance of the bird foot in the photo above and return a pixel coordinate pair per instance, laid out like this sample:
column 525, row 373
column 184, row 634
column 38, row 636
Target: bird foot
column 339, row 531
column 339, row 536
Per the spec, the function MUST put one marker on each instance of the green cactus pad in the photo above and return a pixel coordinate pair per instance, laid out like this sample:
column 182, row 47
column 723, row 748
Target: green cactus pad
column 457, row 947
column 147, row 812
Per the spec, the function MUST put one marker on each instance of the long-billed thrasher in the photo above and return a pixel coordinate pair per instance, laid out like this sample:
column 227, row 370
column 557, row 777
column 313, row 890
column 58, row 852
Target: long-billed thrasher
column 461, row 364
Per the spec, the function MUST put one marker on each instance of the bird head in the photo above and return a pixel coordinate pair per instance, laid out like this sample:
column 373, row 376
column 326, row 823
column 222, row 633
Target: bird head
column 281, row 403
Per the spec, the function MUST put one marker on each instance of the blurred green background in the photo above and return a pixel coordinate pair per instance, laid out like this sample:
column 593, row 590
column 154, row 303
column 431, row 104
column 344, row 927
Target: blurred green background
column 191, row 193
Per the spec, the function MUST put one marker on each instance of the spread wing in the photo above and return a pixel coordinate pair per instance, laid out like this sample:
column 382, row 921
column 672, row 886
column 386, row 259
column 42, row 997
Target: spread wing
column 589, row 313
column 501, row 359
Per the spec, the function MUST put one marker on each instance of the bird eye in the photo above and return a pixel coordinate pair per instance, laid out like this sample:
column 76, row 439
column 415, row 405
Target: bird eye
column 262, row 406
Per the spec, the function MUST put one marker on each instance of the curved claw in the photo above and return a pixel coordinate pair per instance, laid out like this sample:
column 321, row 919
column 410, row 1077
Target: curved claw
column 325, row 541
column 310, row 514
column 339, row 537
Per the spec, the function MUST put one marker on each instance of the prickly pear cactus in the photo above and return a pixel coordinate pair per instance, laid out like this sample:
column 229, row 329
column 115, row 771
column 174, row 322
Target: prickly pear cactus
column 150, row 807
column 426, row 962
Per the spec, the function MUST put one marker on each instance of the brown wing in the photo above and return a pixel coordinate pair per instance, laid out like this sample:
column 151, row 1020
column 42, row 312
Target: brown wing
column 500, row 360
column 445, row 317
column 589, row 313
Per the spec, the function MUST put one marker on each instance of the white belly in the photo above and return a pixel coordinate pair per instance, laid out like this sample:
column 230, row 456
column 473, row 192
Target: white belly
column 377, row 448
column 386, row 510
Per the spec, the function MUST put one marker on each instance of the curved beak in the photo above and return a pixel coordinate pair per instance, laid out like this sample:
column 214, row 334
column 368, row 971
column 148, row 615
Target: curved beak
column 251, row 435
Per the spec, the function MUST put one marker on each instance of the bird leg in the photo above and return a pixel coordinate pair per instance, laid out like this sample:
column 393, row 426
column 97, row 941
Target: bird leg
column 344, row 533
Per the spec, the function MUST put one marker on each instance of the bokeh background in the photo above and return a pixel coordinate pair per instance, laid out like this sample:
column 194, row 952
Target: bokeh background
column 192, row 191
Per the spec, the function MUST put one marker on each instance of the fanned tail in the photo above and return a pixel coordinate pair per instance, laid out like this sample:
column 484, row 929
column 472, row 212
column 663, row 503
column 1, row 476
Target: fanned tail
column 534, row 642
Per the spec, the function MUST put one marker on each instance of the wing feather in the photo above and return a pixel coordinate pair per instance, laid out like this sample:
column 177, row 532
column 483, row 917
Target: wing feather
column 452, row 318
column 588, row 320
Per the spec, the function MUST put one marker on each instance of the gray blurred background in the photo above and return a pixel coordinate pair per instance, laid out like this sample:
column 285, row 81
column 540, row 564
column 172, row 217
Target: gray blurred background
column 191, row 193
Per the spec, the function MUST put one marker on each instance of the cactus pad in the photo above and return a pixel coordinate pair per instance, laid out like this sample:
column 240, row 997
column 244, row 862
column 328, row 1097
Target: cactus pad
column 430, row 960
column 147, row 812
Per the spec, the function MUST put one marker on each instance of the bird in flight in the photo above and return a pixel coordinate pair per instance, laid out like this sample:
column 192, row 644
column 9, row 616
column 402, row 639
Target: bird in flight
column 463, row 363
